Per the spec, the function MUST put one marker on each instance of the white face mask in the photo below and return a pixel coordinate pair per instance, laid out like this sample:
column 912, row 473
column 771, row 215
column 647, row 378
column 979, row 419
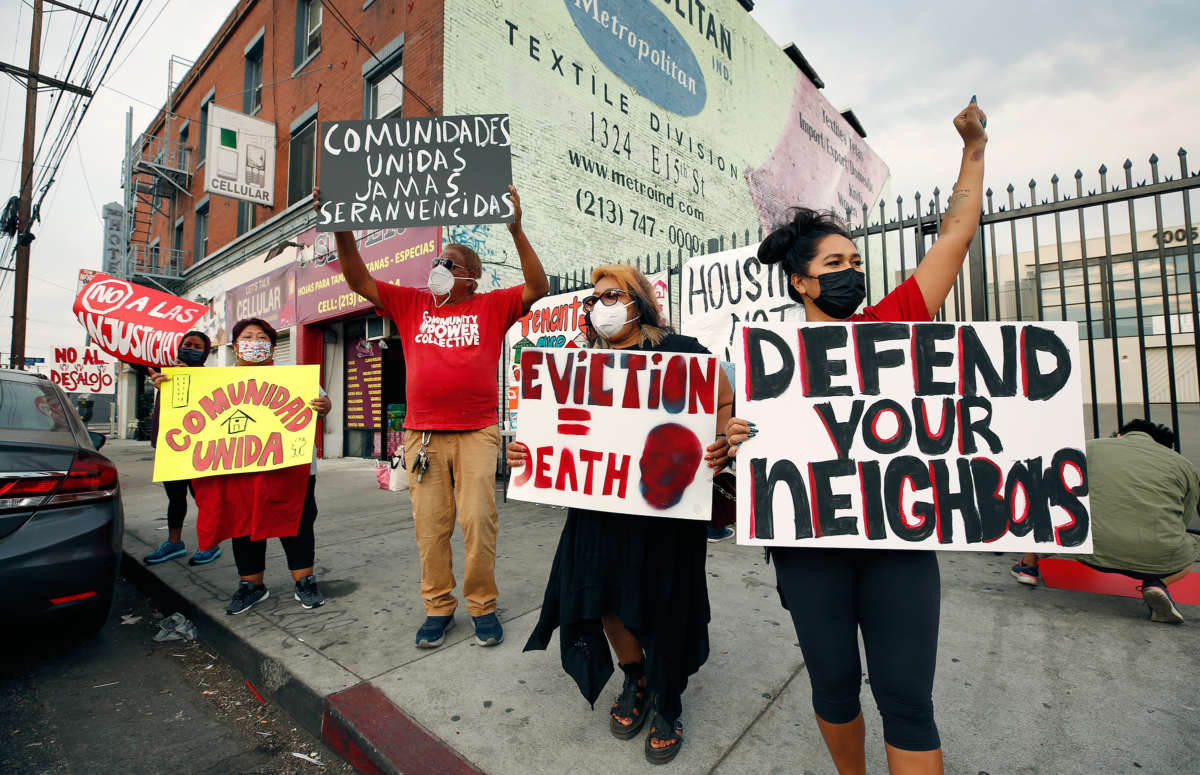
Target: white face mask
column 608, row 321
column 441, row 281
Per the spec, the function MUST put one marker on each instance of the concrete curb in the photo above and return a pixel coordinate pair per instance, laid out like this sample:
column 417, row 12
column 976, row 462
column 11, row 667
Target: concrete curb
column 359, row 723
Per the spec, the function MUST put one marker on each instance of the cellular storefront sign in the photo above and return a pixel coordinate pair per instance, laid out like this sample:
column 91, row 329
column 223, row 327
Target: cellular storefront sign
column 673, row 123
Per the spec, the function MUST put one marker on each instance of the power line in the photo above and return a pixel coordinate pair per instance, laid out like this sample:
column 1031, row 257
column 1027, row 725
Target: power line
column 87, row 183
column 62, row 141
column 142, row 36
column 75, row 98
column 56, row 147
column 8, row 94
column 159, row 106
column 345, row 23
column 83, row 113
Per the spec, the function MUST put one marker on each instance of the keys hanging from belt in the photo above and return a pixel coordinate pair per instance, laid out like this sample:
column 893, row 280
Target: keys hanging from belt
column 421, row 464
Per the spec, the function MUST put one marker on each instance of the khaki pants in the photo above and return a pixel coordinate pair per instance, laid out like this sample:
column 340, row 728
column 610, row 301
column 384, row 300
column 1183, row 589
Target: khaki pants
column 460, row 483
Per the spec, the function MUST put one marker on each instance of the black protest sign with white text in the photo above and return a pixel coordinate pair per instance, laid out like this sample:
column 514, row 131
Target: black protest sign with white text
column 964, row 436
column 396, row 172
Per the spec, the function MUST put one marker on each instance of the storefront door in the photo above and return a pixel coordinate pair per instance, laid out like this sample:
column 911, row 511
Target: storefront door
column 364, row 378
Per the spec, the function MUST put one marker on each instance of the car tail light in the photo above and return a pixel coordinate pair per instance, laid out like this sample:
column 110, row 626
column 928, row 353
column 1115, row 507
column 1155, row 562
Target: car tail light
column 73, row 598
column 28, row 489
column 91, row 477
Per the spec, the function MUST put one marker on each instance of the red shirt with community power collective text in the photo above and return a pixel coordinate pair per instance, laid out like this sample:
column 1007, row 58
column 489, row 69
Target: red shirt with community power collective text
column 450, row 354
column 904, row 304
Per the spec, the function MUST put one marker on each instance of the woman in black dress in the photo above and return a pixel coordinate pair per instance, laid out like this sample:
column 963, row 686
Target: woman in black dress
column 636, row 583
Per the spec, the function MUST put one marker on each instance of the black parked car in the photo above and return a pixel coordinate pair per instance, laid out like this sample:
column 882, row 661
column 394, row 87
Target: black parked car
column 61, row 521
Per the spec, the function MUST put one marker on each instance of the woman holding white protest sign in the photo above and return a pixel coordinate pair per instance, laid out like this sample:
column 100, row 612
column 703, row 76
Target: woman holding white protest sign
column 894, row 596
column 193, row 352
column 636, row 583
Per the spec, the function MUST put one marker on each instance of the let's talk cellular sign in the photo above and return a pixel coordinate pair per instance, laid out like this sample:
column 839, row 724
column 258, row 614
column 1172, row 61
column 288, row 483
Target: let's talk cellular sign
column 393, row 172
column 913, row 436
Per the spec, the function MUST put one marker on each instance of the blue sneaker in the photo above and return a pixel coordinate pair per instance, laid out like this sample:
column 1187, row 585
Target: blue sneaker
column 165, row 551
column 205, row 556
column 1026, row 574
column 488, row 631
column 719, row 534
column 433, row 631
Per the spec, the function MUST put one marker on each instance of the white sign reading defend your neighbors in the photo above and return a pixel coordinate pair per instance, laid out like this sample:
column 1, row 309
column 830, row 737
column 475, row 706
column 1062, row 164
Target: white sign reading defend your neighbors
column 240, row 156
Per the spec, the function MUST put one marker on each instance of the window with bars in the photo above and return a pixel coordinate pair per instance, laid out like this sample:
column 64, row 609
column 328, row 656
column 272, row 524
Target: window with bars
column 1115, row 294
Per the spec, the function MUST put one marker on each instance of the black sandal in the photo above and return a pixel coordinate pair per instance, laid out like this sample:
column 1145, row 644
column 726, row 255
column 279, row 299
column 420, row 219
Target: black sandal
column 631, row 704
column 664, row 732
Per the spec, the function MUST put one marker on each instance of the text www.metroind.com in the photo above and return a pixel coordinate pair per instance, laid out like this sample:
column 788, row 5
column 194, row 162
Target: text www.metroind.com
column 608, row 210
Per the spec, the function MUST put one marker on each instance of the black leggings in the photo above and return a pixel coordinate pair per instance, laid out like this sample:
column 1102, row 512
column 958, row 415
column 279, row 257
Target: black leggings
column 177, row 493
column 895, row 597
column 300, row 549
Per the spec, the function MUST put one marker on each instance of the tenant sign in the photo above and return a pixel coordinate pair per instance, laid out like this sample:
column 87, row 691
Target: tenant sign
column 621, row 432
column 415, row 172
column 133, row 323
column 913, row 436
column 235, row 419
column 240, row 156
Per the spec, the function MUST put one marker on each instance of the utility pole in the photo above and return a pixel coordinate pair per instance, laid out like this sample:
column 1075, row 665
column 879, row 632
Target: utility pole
column 24, row 209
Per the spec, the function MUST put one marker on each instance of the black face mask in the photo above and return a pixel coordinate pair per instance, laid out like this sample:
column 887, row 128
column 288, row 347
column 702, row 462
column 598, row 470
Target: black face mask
column 841, row 293
column 192, row 357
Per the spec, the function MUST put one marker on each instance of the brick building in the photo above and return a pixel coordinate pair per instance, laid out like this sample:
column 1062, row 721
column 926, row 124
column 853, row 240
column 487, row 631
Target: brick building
column 648, row 132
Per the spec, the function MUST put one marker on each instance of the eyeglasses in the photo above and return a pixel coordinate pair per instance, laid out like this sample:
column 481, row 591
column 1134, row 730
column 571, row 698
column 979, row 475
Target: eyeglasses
column 608, row 298
column 447, row 263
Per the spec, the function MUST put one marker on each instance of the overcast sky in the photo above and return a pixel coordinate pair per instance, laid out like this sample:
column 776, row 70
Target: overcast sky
column 1066, row 85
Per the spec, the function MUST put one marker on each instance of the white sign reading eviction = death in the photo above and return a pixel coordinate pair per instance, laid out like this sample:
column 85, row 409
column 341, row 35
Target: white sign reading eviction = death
column 913, row 436
column 621, row 432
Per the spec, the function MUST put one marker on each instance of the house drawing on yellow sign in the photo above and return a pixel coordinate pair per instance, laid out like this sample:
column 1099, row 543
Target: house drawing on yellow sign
column 236, row 422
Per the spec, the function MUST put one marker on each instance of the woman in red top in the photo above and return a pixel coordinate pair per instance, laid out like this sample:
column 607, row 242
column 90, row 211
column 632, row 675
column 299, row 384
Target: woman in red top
column 893, row 595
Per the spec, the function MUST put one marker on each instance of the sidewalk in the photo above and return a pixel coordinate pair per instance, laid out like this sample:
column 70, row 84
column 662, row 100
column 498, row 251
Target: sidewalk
column 1036, row 682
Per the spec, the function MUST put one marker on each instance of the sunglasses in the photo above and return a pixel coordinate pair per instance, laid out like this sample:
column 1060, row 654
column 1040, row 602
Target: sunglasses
column 608, row 298
column 447, row 263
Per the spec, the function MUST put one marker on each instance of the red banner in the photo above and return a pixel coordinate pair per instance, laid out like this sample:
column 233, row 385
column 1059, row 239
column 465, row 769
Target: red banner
column 133, row 323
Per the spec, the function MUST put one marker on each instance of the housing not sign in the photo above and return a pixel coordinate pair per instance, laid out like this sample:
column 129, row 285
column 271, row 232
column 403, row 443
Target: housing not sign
column 235, row 419
column 913, row 436
column 618, row 432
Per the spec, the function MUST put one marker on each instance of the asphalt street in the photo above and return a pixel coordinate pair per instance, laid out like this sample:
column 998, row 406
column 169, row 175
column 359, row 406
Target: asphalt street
column 119, row 702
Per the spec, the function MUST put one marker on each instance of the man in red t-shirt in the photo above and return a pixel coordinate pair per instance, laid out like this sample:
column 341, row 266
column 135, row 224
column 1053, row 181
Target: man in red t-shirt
column 452, row 338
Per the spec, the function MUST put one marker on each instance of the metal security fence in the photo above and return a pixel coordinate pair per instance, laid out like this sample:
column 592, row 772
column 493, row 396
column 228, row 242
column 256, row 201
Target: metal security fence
column 1117, row 255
